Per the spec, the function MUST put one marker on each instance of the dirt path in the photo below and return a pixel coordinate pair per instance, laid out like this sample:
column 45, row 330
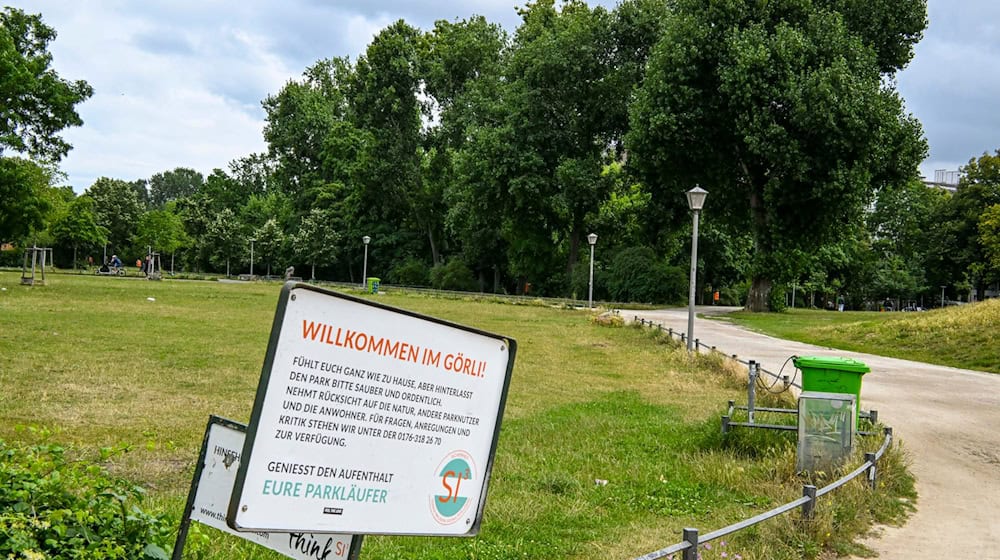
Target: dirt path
column 948, row 418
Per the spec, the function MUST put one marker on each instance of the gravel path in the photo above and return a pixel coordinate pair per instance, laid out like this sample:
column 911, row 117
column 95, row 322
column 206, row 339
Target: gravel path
column 948, row 418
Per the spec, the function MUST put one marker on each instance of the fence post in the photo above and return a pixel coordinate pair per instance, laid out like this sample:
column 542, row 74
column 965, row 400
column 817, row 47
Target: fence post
column 870, row 459
column 697, row 345
column 808, row 491
column 785, row 381
column 691, row 552
column 873, row 417
column 751, row 387
column 725, row 424
column 683, row 337
column 670, row 331
column 713, row 349
column 888, row 433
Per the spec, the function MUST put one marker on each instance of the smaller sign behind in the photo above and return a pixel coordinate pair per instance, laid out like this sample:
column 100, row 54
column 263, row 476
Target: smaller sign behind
column 224, row 443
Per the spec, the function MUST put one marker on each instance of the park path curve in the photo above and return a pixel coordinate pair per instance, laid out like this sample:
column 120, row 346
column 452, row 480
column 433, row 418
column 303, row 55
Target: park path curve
column 948, row 419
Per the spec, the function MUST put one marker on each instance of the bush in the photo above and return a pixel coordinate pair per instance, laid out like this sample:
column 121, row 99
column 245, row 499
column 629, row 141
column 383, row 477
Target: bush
column 14, row 258
column 453, row 275
column 637, row 275
column 413, row 272
column 776, row 300
column 54, row 508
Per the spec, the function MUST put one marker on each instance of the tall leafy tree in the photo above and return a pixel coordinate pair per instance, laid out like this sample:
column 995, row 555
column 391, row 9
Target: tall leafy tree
column 78, row 227
column 23, row 204
column 989, row 238
column 224, row 238
column 179, row 183
column 316, row 242
column 785, row 111
column 385, row 106
column 957, row 253
column 118, row 210
column 163, row 230
column 270, row 243
column 303, row 120
column 37, row 103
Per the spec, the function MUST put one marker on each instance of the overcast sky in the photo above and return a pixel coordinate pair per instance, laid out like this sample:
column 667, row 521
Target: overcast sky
column 178, row 83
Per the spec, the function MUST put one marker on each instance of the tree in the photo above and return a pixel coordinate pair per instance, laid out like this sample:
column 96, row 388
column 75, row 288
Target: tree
column 173, row 185
column 958, row 250
column 118, row 208
column 23, row 204
column 78, row 227
column 785, row 111
column 224, row 238
column 163, row 230
column 37, row 103
column 989, row 238
column 385, row 107
column 270, row 241
column 316, row 241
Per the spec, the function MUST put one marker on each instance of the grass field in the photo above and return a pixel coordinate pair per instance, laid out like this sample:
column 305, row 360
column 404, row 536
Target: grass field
column 964, row 336
column 126, row 362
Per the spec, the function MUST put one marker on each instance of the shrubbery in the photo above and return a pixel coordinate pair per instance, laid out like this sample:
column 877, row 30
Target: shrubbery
column 55, row 508
column 453, row 275
column 413, row 272
column 637, row 275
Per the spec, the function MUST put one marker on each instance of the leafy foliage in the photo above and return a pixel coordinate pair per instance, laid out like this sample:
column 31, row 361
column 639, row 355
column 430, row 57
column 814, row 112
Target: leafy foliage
column 58, row 508
column 22, row 203
column 636, row 274
column 782, row 111
column 37, row 102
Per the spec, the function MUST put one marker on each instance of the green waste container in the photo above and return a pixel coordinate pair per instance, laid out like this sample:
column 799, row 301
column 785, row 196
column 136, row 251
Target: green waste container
column 833, row 375
column 373, row 284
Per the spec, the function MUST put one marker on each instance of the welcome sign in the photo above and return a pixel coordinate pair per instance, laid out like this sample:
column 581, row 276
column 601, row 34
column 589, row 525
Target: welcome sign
column 370, row 420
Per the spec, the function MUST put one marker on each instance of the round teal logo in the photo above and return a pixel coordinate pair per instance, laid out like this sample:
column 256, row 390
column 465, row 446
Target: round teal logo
column 456, row 473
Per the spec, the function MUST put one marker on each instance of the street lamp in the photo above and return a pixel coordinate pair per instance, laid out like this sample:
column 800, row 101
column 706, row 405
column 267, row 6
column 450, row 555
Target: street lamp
column 592, row 239
column 251, row 258
column 364, row 271
column 696, row 200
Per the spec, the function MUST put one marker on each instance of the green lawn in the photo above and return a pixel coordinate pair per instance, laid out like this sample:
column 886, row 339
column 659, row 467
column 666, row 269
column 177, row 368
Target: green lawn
column 964, row 336
column 121, row 361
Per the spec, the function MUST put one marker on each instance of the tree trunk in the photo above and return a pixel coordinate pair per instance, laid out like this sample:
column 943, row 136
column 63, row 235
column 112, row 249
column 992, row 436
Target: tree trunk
column 435, row 255
column 760, row 292
column 574, row 251
column 227, row 268
column 74, row 257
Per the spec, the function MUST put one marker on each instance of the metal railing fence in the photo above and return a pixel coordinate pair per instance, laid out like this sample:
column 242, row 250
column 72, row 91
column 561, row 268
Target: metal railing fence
column 692, row 539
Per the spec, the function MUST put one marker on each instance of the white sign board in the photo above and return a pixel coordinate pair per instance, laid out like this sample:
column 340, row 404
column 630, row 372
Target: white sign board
column 214, row 486
column 370, row 420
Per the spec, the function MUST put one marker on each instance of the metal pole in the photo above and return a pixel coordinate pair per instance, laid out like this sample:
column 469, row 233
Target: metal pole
column 694, row 271
column 690, row 536
column 590, row 291
column 751, row 390
column 942, row 296
column 364, row 271
column 251, row 259
column 808, row 491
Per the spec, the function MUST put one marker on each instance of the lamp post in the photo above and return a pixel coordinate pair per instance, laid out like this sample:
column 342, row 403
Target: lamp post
column 696, row 200
column 942, row 296
column 251, row 258
column 364, row 271
column 592, row 239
